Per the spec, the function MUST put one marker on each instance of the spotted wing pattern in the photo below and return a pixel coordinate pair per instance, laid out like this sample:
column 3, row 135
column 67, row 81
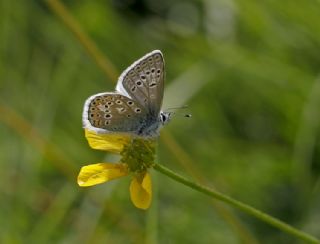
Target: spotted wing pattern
column 115, row 113
column 144, row 81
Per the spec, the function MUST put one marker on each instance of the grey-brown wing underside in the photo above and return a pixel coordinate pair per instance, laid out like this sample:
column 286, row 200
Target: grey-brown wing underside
column 143, row 81
column 114, row 112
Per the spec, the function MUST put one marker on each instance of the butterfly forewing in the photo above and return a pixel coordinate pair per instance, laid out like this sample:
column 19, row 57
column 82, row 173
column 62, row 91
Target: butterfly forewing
column 144, row 81
column 114, row 112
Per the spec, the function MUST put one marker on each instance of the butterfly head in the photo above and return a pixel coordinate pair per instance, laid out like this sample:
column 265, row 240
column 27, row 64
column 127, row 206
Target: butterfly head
column 165, row 117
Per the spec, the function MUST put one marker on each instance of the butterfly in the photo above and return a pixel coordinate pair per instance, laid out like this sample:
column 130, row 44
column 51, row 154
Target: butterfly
column 135, row 107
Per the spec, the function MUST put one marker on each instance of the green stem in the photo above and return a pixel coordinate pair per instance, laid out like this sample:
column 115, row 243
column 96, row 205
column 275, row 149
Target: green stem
column 102, row 61
column 235, row 203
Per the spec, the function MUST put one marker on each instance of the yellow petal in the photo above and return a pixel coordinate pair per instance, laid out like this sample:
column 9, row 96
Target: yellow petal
column 108, row 142
column 141, row 190
column 94, row 174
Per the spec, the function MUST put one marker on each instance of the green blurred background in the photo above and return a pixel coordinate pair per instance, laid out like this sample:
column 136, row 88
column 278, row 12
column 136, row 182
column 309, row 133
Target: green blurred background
column 248, row 71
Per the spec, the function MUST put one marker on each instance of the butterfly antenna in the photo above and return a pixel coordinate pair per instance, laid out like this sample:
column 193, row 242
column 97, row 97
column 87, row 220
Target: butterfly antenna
column 183, row 115
column 177, row 108
column 177, row 112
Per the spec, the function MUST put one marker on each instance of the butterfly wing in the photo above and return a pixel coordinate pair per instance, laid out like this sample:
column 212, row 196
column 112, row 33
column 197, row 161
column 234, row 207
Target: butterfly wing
column 143, row 81
column 112, row 112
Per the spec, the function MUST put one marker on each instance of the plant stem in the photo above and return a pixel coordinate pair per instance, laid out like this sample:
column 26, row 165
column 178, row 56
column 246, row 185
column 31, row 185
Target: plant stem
column 235, row 203
column 102, row 61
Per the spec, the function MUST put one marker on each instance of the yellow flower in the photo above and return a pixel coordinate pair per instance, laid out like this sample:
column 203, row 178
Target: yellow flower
column 137, row 156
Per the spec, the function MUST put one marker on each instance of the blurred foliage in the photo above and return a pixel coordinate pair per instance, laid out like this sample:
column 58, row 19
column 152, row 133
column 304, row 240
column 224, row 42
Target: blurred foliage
column 248, row 71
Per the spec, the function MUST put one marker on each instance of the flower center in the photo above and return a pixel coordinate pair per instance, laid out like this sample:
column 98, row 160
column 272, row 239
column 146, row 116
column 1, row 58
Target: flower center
column 139, row 155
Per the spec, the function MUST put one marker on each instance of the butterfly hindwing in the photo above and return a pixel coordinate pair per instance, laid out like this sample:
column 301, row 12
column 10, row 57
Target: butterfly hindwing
column 113, row 112
column 143, row 81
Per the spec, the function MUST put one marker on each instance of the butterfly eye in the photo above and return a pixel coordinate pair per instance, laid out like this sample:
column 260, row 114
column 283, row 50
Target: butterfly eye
column 152, row 70
column 142, row 77
column 108, row 116
column 118, row 102
column 163, row 118
column 158, row 71
column 139, row 83
column 133, row 88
